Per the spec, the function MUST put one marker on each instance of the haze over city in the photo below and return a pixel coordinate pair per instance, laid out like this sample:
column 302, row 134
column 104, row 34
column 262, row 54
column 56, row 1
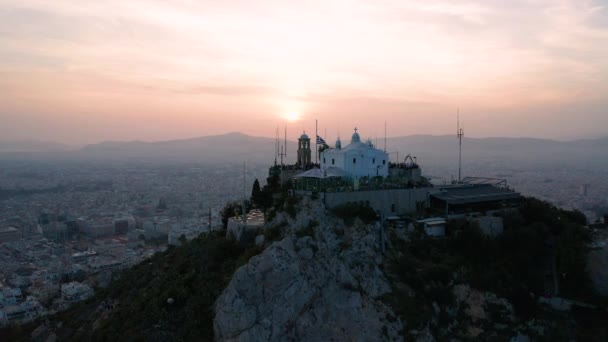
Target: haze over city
column 393, row 170
column 81, row 72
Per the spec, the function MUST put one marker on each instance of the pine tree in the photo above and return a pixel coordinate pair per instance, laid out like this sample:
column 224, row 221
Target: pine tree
column 256, row 194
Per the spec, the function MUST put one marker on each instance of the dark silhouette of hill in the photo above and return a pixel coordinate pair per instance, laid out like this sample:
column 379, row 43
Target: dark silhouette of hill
column 430, row 150
column 235, row 147
column 10, row 146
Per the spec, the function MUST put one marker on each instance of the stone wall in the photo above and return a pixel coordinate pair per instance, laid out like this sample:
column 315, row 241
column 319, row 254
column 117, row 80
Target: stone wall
column 490, row 225
column 386, row 202
column 241, row 232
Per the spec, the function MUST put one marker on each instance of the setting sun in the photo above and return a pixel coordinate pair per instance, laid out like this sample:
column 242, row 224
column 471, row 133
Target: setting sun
column 292, row 117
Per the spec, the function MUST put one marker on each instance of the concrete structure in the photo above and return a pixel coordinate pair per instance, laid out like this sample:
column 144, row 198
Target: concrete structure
column 99, row 227
column 98, row 264
column 245, row 232
column 75, row 292
column 80, row 256
column 458, row 200
column 490, row 225
column 385, row 202
column 23, row 313
column 583, row 190
column 9, row 234
column 123, row 225
column 405, row 173
column 156, row 227
column 55, row 231
column 10, row 296
column 434, row 226
column 357, row 159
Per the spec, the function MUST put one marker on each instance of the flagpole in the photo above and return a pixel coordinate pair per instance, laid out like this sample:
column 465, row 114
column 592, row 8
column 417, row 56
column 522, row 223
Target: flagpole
column 316, row 141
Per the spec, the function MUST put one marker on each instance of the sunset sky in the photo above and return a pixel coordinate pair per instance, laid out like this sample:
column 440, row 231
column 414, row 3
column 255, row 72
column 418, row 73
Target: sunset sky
column 85, row 71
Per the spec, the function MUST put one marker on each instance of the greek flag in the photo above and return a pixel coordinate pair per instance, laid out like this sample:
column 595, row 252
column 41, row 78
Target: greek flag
column 320, row 141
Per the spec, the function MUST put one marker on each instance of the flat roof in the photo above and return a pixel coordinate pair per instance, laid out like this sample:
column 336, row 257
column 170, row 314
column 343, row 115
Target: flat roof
column 432, row 220
column 484, row 181
column 475, row 194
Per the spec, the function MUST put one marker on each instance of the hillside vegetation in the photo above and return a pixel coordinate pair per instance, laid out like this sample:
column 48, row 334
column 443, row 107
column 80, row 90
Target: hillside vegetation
column 426, row 273
column 135, row 306
column 171, row 296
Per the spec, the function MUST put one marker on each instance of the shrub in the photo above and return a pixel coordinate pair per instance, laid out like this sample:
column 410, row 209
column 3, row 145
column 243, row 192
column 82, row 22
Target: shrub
column 194, row 274
column 273, row 233
column 349, row 211
column 308, row 230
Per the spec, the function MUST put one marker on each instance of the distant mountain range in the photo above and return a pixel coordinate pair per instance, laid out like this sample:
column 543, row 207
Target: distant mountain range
column 238, row 147
column 31, row 146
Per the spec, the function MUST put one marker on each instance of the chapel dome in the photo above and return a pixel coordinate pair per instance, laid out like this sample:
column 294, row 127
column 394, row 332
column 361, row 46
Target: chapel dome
column 355, row 138
column 338, row 144
column 304, row 136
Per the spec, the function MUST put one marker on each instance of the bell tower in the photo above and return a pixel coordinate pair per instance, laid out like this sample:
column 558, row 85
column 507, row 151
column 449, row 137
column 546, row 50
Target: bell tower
column 304, row 151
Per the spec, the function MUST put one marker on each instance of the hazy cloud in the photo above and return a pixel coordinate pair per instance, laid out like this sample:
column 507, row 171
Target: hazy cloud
column 207, row 67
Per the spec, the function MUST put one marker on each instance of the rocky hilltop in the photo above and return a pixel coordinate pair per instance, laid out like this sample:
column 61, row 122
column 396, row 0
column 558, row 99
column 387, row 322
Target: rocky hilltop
column 321, row 281
column 326, row 278
column 598, row 262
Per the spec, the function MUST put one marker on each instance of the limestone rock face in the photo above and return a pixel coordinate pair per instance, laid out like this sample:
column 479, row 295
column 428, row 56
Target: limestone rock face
column 597, row 263
column 313, row 285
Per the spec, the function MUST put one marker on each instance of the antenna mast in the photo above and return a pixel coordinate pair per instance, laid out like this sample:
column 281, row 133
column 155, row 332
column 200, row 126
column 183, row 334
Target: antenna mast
column 285, row 142
column 316, row 140
column 244, row 195
column 276, row 145
column 459, row 134
column 283, row 152
column 384, row 136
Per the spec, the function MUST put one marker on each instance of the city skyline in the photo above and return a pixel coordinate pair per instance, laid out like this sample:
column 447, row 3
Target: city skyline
column 87, row 72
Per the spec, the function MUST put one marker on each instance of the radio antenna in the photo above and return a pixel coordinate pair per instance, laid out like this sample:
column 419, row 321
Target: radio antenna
column 283, row 151
column 384, row 136
column 459, row 134
column 276, row 145
column 285, row 142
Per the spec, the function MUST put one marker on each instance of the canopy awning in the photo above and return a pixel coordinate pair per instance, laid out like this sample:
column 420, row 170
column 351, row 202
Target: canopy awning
column 328, row 173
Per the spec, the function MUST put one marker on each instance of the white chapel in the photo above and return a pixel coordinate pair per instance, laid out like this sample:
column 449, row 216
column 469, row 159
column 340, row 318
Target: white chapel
column 357, row 159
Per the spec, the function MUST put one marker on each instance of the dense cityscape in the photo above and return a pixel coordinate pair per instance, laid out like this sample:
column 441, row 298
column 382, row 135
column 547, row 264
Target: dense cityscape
column 64, row 229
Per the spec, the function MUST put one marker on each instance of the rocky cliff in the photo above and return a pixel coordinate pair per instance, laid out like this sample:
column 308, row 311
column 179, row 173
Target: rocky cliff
column 321, row 281
column 597, row 263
